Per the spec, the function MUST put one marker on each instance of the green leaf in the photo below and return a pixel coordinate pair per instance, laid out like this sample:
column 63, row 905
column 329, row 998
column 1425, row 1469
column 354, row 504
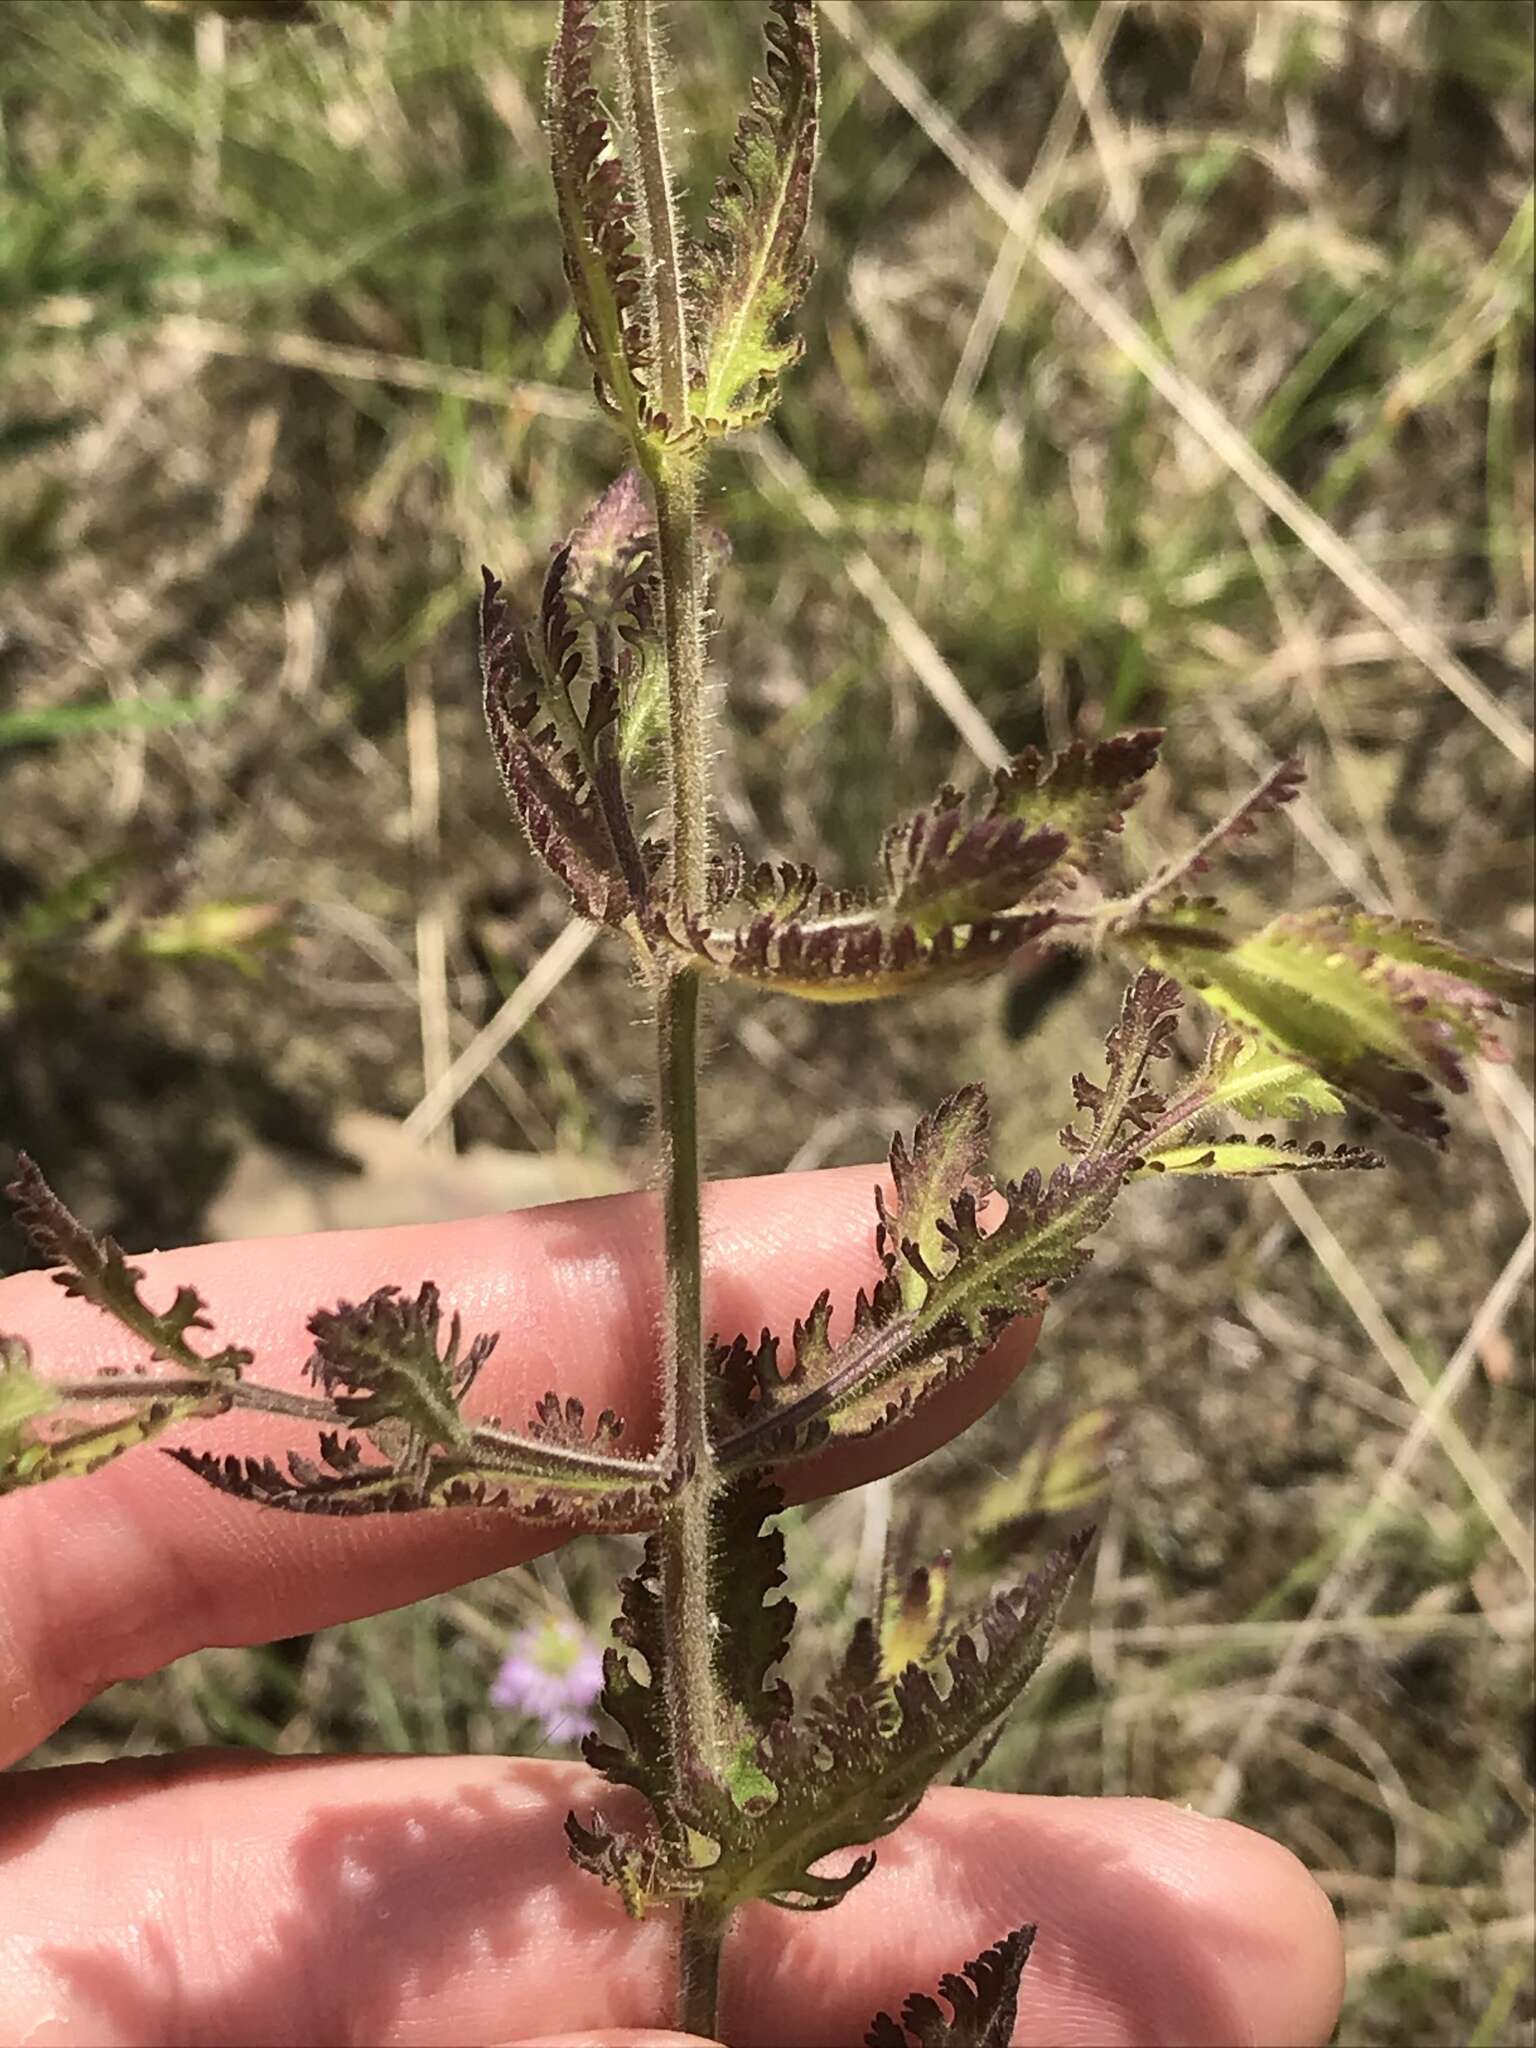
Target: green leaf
column 1083, row 792
column 94, row 1270
column 558, row 765
column 750, row 272
column 1380, row 1009
column 948, row 1155
column 983, row 2003
column 76, row 1453
column 58, row 722
column 855, row 1771
column 1252, row 1080
column 1253, row 1158
column 22, row 1394
column 913, row 1612
column 602, row 254
column 927, row 1320
column 1062, row 1467
column 31, row 1454
column 237, row 934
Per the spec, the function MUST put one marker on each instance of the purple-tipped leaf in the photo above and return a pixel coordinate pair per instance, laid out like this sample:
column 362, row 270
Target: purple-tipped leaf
column 602, row 252
column 751, row 272
column 1381, row 1009
column 983, row 2001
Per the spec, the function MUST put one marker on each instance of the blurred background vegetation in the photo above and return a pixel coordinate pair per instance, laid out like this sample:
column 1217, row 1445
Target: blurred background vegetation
column 287, row 355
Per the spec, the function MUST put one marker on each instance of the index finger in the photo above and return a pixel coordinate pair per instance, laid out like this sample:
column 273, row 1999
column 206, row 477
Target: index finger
column 111, row 1577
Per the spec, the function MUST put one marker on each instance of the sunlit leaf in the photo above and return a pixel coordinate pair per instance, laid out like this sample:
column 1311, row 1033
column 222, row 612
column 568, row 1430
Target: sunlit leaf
column 924, row 1323
column 558, row 761
column 851, row 1773
column 39, row 1443
column 1253, row 1158
column 1378, row 1008
column 1249, row 1079
column 94, row 1269
column 602, row 254
column 850, row 954
column 948, row 1155
column 751, row 272
column 914, row 1607
column 1083, row 792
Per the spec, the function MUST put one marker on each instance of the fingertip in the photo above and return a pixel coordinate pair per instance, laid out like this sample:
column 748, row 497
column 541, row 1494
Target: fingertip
column 1156, row 1926
column 1234, row 1943
column 1289, row 1973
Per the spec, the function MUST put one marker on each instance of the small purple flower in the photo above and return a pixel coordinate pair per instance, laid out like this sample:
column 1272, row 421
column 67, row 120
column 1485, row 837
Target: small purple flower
column 553, row 1673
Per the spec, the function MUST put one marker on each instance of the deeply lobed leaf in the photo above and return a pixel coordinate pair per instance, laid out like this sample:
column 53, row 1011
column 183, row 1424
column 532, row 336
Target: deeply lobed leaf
column 855, row 1769
column 926, row 1321
column 1083, row 792
column 560, row 763
column 569, row 1485
column 850, row 956
column 1126, row 1107
column 963, row 886
column 94, row 1269
column 750, row 273
column 1379, row 1009
column 35, row 1443
column 947, row 1157
column 669, row 1857
column 983, row 2003
column 850, row 1771
column 378, row 1361
column 602, row 252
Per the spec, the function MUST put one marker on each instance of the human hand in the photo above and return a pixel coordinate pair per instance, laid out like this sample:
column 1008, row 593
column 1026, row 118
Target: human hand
column 221, row 1898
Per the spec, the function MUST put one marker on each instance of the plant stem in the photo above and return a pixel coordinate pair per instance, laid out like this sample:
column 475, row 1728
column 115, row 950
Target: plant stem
column 232, row 1393
column 695, row 1709
column 697, row 1714
column 673, row 471
column 682, row 620
column 703, row 1940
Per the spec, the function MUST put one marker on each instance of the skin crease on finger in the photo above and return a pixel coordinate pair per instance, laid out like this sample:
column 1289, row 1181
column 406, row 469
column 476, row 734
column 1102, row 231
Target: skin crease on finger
column 113, row 1576
column 395, row 1903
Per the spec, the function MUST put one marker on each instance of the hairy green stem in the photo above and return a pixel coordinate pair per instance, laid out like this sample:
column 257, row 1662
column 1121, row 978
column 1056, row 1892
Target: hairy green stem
column 673, row 471
column 682, row 619
column 703, row 1941
column 696, row 1708
column 490, row 1443
column 233, row 1393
